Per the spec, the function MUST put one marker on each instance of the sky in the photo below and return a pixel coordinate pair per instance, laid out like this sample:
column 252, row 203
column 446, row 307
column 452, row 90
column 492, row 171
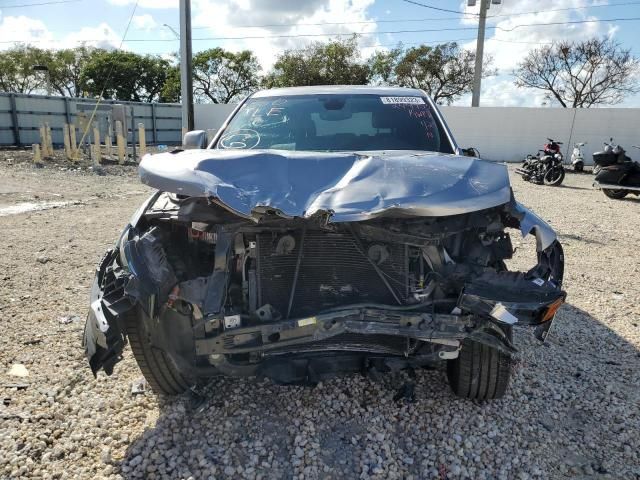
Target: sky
column 267, row 27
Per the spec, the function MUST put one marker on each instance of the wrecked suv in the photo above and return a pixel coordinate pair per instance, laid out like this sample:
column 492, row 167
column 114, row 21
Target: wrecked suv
column 323, row 230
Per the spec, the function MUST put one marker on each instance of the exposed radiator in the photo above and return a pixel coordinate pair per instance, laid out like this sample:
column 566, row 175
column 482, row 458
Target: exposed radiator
column 333, row 271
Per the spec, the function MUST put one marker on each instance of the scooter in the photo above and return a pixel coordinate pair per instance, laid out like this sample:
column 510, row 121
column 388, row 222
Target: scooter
column 618, row 175
column 545, row 169
column 577, row 158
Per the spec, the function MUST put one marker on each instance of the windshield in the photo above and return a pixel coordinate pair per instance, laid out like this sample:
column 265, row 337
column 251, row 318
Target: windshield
column 336, row 123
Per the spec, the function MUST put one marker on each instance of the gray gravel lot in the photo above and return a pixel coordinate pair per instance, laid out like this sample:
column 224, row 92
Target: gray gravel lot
column 572, row 410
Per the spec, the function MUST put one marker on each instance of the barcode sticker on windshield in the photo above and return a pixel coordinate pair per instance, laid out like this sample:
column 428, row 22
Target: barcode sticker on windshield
column 396, row 100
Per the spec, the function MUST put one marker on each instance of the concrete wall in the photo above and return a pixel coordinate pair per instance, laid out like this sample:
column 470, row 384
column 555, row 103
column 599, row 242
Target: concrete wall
column 508, row 134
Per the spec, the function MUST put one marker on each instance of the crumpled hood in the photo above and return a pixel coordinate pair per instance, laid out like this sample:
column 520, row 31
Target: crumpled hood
column 354, row 186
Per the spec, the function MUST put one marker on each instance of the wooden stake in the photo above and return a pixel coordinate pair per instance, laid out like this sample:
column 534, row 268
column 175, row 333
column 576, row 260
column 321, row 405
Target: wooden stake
column 107, row 141
column 97, row 154
column 43, row 140
column 49, row 139
column 143, row 140
column 37, row 159
column 73, row 143
column 121, row 142
column 67, row 144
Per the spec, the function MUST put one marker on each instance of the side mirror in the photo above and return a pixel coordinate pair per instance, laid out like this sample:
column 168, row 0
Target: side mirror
column 470, row 152
column 194, row 139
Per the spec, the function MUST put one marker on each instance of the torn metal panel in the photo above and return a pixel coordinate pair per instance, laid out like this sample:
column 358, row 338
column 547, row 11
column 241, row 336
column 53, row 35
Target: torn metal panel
column 532, row 223
column 352, row 186
column 103, row 339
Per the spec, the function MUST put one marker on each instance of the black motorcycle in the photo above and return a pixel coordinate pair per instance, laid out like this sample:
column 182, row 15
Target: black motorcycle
column 616, row 174
column 545, row 168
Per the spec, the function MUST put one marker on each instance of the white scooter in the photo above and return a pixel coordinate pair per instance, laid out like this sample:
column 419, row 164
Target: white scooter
column 577, row 158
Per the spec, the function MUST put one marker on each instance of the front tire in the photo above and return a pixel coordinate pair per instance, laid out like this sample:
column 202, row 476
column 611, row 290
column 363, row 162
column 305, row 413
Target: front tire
column 578, row 167
column 554, row 176
column 157, row 368
column 615, row 194
column 480, row 372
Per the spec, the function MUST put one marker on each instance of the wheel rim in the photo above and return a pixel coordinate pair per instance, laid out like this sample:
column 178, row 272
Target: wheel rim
column 553, row 175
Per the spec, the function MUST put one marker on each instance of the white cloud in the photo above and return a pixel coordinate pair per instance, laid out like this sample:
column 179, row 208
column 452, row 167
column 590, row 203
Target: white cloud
column 144, row 22
column 102, row 36
column 147, row 3
column 279, row 17
column 23, row 29
column 510, row 41
column 502, row 92
column 31, row 31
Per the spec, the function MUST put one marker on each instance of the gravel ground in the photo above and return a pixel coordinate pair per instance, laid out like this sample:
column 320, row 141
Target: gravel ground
column 572, row 410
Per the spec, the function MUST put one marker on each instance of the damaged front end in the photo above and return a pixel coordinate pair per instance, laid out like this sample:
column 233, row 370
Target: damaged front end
column 221, row 293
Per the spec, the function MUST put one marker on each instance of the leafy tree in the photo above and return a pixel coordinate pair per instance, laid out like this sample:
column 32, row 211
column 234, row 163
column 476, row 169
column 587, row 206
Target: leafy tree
column 125, row 76
column 334, row 63
column 444, row 71
column 581, row 74
column 171, row 89
column 66, row 66
column 16, row 69
column 383, row 66
column 220, row 76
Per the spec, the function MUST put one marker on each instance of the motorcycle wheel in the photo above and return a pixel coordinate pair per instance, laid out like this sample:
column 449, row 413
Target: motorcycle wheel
column 554, row 176
column 596, row 169
column 578, row 167
column 615, row 194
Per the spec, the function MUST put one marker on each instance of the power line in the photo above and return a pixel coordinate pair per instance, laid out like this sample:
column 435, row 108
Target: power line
column 431, row 7
column 401, row 43
column 362, row 22
column 339, row 34
column 571, row 22
column 421, row 20
column 400, row 20
column 366, row 22
column 518, row 42
column 108, row 77
column 266, row 37
column 514, row 14
column 623, row 4
column 3, row 7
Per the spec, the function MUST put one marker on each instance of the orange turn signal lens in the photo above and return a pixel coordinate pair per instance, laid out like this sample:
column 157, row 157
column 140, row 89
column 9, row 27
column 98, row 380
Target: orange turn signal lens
column 552, row 309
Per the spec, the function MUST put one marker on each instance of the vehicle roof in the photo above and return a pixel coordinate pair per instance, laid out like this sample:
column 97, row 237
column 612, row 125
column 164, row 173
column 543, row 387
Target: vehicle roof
column 334, row 89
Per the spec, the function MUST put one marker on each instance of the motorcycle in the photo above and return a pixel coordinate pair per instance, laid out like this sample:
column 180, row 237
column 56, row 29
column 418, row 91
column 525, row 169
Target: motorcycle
column 545, row 168
column 577, row 158
column 607, row 156
column 617, row 175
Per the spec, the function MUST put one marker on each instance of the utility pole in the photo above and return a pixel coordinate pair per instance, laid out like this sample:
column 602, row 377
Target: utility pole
column 186, row 79
column 477, row 73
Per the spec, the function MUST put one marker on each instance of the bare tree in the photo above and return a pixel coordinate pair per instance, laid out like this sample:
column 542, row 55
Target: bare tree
column 581, row 74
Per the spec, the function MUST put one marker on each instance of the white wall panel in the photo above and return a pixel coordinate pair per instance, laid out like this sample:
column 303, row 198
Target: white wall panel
column 507, row 134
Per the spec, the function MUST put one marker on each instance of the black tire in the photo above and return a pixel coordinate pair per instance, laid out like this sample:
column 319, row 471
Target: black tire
column 480, row 372
column 615, row 194
column 157, row 368
column 579, row 167
column 554, row 176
